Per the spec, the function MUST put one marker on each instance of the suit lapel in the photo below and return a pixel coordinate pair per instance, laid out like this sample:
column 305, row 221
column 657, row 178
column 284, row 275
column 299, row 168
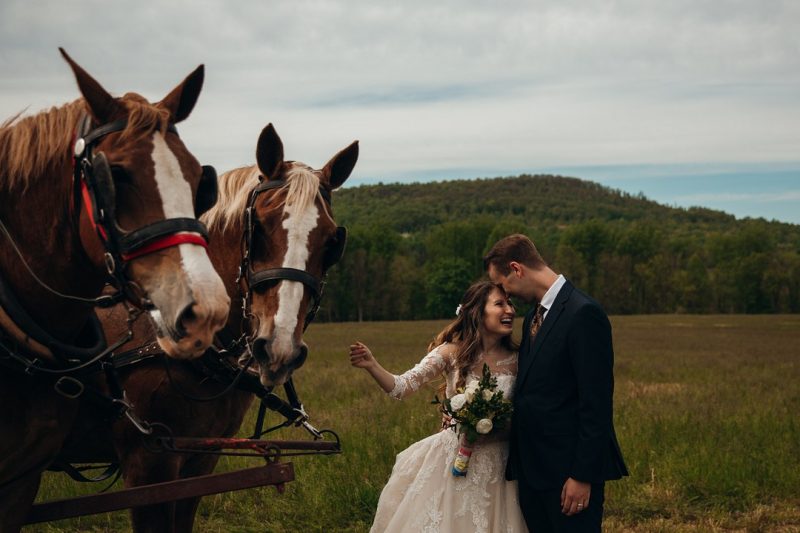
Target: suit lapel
column 526, row 328
column 532, row 351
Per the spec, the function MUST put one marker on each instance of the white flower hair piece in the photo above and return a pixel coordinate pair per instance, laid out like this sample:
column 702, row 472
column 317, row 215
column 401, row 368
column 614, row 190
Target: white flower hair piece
column 458, row 310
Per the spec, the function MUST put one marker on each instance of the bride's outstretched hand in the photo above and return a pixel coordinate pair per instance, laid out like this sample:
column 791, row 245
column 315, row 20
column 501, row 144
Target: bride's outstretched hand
column 361, row 356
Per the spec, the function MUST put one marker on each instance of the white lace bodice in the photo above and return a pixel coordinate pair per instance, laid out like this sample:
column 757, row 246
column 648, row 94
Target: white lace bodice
column 439, row 363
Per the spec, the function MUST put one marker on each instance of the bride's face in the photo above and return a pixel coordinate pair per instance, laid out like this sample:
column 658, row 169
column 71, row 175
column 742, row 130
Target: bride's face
column 498, row 315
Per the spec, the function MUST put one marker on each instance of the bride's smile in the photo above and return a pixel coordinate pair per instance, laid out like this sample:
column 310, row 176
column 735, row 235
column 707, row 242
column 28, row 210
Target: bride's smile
column 498, row 315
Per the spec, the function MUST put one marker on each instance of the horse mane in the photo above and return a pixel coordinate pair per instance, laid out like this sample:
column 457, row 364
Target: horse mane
column 31, row 145
column 234, row 192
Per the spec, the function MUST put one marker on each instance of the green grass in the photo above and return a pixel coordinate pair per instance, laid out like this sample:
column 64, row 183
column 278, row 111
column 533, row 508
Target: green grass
column 706, row 414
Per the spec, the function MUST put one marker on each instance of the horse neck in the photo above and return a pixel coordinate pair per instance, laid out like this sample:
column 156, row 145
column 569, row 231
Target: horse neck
column 40, row 221
column 225, row 252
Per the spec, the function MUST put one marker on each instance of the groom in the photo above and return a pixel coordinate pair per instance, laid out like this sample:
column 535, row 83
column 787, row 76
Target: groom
column 562, row 447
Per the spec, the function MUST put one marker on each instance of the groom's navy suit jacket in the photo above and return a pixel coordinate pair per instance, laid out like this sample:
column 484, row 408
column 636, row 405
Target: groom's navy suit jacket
column 562, row 423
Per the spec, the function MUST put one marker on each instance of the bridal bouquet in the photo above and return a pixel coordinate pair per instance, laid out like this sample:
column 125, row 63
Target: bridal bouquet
column 477, row 409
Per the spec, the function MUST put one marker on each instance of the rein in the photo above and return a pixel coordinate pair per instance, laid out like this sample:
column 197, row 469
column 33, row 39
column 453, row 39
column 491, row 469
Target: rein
column 214, row 365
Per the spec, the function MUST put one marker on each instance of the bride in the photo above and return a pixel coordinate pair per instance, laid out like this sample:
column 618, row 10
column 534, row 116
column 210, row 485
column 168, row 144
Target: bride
column 422, row 494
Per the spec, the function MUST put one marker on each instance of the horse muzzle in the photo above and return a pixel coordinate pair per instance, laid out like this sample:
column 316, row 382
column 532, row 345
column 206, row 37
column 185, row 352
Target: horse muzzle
column 277, row 365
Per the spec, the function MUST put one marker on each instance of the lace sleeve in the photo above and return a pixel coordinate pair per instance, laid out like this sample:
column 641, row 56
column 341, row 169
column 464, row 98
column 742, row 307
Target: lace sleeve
column 432, row 365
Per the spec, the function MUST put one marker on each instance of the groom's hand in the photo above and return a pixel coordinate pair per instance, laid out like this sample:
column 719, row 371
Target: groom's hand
column 575, row 496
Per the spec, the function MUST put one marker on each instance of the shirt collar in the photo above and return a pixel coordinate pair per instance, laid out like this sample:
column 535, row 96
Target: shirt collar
column 549, row 297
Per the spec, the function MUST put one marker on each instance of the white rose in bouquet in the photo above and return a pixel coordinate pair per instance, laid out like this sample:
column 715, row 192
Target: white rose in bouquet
column 472, row 388
column 487, row 394
column 483, row 426
column 458, row 401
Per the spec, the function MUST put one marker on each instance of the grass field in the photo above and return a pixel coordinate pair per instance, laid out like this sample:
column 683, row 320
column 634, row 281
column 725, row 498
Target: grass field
column 706, row 410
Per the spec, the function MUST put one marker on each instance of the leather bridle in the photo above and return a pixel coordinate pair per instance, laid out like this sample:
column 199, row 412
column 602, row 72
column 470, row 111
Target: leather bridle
column 94, row 188
column 248, row 279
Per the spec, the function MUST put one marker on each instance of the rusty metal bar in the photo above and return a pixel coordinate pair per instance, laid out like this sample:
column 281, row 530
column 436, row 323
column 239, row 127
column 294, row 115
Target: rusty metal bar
column 189, row 443
column 270, row 474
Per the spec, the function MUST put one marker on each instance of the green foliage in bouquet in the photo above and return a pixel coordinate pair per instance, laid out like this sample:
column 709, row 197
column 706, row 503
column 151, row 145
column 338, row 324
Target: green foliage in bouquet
column 478, row 409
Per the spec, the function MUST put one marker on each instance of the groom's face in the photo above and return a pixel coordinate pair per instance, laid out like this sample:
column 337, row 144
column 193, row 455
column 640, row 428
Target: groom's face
column 504, row 280
column 512, row 282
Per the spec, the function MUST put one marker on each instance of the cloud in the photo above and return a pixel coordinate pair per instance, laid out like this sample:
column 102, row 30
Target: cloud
column 437, row 86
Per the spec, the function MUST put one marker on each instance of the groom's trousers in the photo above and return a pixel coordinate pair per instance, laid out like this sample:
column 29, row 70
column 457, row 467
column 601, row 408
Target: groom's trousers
column 542, row 511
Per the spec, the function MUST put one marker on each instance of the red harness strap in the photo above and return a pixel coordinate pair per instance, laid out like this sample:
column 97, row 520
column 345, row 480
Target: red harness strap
column 166, row 242
column 87, row 202
column 153, row 246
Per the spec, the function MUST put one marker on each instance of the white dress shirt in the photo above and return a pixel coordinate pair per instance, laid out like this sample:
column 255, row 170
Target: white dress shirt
column 549, row 297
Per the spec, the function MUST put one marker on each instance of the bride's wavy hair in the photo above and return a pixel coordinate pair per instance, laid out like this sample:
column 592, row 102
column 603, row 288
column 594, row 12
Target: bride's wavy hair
column 465, row 330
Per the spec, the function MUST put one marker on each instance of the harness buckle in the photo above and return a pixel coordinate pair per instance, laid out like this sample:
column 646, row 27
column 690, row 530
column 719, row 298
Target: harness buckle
column 106, row 301
column 69, row 387
column 127, row 410
column 317, row 434
column 111, row 265
column 80, row 146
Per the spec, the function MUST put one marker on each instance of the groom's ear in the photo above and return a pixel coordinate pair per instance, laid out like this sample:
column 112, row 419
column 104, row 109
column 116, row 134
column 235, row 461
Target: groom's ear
column 516, row 268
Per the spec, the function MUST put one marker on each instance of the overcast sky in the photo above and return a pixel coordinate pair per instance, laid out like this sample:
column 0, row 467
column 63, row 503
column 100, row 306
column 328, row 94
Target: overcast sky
column 690, row 102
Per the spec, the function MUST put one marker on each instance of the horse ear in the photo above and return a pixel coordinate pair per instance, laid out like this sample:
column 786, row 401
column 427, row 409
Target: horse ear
column 338, row 169
column 101, row 104
column 180, row 101
column 269, row 152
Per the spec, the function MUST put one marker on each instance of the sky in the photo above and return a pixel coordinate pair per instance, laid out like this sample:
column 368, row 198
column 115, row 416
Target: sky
column 689, row 102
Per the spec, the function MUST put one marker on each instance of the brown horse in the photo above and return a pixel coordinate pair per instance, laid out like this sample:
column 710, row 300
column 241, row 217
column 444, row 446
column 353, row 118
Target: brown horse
column 99, row 186
column 288, row 240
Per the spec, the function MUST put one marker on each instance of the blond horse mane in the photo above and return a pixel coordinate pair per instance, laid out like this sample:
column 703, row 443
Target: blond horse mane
column 234, row 192
column 30, row 146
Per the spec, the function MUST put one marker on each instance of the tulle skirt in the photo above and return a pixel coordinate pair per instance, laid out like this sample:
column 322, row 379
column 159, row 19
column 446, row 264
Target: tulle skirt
column 422, row 495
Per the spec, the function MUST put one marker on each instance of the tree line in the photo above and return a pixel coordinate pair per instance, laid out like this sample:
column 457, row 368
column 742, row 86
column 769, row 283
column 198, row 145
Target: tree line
column 413, row 249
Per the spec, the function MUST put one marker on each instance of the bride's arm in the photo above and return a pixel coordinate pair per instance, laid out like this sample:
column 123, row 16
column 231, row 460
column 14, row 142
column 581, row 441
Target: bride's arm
column 361, row 357
column 432, row 365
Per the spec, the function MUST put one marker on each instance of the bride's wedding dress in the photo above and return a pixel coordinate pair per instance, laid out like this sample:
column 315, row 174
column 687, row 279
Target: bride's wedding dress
column 422, row 495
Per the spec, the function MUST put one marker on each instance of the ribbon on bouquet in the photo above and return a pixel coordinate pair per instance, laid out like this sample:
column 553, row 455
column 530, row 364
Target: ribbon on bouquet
column 461, row 462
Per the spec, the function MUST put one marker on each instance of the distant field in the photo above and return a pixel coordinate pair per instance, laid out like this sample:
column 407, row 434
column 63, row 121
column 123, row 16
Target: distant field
column 707, row 413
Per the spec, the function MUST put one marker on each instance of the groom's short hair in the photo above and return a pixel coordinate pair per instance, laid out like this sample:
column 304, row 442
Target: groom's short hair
column 515, row 247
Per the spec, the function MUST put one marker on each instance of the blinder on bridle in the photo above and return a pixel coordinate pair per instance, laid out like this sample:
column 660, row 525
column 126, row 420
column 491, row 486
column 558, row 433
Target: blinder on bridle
column 255, row 279
column 336, row 250
column 94, row 184
column 207, row 191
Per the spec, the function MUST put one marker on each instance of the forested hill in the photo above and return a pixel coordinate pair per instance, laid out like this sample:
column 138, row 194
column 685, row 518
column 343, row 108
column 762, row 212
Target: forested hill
column 555, row 199
column 414, row 248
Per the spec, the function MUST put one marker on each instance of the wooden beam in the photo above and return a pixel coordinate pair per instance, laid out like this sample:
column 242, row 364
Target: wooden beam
column 270, row 474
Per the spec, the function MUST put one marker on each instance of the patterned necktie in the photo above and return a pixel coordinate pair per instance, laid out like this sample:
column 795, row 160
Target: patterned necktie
column 536, row 323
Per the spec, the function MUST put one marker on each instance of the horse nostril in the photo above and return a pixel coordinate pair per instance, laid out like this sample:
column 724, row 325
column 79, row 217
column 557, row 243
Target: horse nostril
column 260, row 349
column 301, row 357
column 185, row 318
